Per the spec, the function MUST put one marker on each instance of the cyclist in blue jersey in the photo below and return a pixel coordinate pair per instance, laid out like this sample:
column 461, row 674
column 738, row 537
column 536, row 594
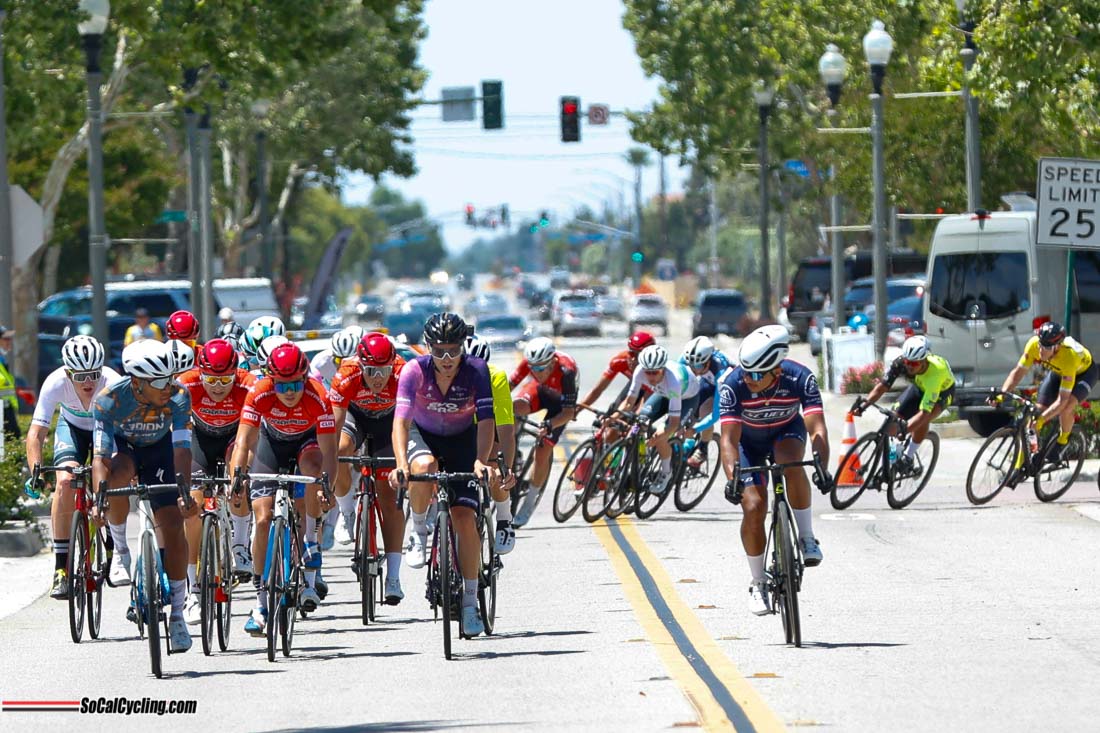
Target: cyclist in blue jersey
column 438, row 397
column 766, row 407
column 142, row 430
column 706, row 363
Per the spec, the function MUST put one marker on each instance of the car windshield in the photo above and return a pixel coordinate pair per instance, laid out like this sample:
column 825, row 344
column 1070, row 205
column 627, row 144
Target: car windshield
column 68, row 307
column 979, row 285
column 909, row 307
column 863, row 294
column 503, row 323
column 723, row 301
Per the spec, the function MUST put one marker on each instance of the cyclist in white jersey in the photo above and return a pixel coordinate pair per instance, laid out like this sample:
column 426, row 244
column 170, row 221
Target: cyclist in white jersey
column 325, row 362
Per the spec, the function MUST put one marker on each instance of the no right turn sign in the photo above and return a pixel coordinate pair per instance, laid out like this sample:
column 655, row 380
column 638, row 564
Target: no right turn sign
column 1068, row 198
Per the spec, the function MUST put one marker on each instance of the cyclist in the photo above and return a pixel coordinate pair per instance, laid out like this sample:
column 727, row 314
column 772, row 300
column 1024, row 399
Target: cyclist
column 767, row 406
column 931, row 390
column 253, row 336
column 218, row 389
column 553, row 387
column 286, row 422
column 1071, row 376
column 438, row 397
column 707, row 364
column 675, row 392
column 143, row 430
column 622, row 363
column 363, row 396
column 503, row 414
column 231, row 332
column 342, row 346
column 183, row 326
column 73, row 386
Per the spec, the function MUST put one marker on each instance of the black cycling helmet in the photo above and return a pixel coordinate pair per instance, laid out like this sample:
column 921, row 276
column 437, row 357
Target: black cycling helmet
column 1051, row 334
column 445, row 328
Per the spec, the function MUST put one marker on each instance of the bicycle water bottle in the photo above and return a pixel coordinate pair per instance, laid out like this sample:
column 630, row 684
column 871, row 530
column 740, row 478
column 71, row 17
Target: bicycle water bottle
column 893, row 451
column 1032, row 441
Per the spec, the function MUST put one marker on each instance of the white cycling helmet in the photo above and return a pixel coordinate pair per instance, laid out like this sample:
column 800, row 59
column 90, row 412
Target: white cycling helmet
column 345, row 342
column 268, row 345
column 764, row 349
column 478, row 347
column 82, row 354
column 226, row 313
column 653, row 357
column 148, row 359
column 539, row 350
column 698, row 351
column 915, row 348
column 272, row 324
column 181, row 355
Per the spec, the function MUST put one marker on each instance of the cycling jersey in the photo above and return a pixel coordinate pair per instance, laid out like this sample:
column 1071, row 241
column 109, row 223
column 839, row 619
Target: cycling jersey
column 934, row 382
column 323, row 367
column 120, row 417
column 349, row 390
column 619, row 364
column 760, row 414
column 717, row 364
column 564, row 379
column 313, row 411
column 58, row 389
column 708, row 421
column 420, row 400
column 1070, row 360
column 678, row 385
column 213, row 417
column 503, row 412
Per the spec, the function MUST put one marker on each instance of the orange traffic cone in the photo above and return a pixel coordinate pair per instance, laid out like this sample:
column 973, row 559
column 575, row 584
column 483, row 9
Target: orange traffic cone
column 849, row 469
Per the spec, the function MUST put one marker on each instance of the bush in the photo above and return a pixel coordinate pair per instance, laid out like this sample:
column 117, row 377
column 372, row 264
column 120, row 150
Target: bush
column 12, row 475
column 861, row 380
column 1088, row 418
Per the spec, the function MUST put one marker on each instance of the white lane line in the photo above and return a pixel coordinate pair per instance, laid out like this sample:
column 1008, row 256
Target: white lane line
column 849, row 516
column 1092, row 511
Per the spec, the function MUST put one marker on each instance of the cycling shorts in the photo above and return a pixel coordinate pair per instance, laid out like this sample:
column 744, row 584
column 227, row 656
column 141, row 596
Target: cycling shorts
column 454, row 453
column 153, row 464
column 280, row 456
column 71, row 443
column 207, row 451
column 541, row 398
column 656, row 407
column 1051, row 384
column 358, row 425
column 757, row 448
column 908, row 404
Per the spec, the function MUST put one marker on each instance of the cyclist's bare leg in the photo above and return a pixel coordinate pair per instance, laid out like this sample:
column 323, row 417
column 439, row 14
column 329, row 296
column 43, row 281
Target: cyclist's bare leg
column 393, row 521
column 343, row 473
column 469, row 550
column 61, row 511
column 540, row 470
column 754, row 508
column 797, row 485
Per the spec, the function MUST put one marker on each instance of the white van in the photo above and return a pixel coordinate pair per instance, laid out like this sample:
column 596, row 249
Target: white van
column 249, row 297
column 989, row 287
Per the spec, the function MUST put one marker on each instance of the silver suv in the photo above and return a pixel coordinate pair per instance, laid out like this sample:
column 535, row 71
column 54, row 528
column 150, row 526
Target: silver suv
column 575, row 312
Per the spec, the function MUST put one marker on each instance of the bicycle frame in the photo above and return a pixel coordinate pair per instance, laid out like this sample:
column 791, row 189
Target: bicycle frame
column 367, row 560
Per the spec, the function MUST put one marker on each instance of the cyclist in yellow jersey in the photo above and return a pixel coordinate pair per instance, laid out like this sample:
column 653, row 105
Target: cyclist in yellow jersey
column 931, row 390
column 504, row 415
column 1071, row 376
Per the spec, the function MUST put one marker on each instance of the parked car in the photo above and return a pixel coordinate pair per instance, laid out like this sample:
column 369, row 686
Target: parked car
column 541, row 303
column 649, row 310
column 60, row 329
column 506, row 331
column 486, row 304
column 860, row 299
column 370, row 307
column 575, row 312
column 718, row 311
column 610, row 306
column 411, row 325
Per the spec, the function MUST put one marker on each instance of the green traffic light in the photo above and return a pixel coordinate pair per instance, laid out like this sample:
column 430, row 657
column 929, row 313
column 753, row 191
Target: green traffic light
column 533, row 228
column 637, row 257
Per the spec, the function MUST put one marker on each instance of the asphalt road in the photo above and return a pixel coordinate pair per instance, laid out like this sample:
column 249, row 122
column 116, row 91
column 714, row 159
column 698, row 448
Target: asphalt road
column 939, row 617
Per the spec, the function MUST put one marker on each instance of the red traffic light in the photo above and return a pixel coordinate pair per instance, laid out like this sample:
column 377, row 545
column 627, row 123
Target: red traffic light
column 569, row 108
column 469, row 209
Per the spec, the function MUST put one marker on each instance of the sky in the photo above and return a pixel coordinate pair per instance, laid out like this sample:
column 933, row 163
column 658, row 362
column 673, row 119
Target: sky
column 541, row 51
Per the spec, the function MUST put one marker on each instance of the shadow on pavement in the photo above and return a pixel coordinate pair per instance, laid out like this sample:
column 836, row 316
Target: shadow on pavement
column 502, row 655
column 532, row 634
column 409, row 726
column 848, row 645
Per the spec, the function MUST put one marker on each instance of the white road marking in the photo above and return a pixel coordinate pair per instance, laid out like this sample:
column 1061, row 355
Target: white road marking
column 848, row 516
column 1092, row 511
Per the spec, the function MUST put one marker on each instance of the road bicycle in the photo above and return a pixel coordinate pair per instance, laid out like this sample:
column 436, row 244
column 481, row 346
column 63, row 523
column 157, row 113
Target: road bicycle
column 369, row 556
column 878, row 460
column 569, row 494
column 285, row 564
column 215, row 569
column 90, row 550
column 525, row 459
column 445, row 582
column 1006, row 458
column 150, row 592
column 784, row 573
column 692, row 483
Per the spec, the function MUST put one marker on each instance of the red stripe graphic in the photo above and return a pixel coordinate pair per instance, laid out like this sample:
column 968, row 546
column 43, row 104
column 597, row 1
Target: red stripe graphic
column 41, row 702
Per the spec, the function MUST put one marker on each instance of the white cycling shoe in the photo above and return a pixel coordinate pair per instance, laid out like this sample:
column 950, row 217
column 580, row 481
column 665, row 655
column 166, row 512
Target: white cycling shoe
column 192, row 610
column 309, row 600
column 505, row 539
column 345, row 529
column 416, row 552
column 811, row 551
column 393, row 593
column 179, row 635
column 120, row 569
column 759, row 602
column 471, row 622
column 242, row 559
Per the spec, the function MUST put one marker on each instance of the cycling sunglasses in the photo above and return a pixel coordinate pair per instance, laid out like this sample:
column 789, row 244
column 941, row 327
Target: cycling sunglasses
column 159, row 383
column 89, row 376
column 373, row 371
column 290, row 387
column 912, row 364
column 653, row 372
column 442, row 354
column 213, row 379
column 756, row 376
column 540, row 367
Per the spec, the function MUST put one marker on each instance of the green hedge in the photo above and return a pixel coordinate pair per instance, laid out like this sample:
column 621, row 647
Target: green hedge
column 12, row 505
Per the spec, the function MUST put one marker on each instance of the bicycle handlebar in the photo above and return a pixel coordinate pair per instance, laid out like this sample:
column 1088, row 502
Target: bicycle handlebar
column 862, row 404
column 1028, row 404
column 820, row 477
column 287, row 478
column 361, row 461
column 145, row 491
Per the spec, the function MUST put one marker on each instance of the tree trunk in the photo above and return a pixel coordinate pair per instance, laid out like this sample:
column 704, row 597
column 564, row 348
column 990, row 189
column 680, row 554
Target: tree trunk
column 24, row 301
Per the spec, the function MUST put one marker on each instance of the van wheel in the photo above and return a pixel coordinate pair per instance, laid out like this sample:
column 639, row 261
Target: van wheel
column 986, row 423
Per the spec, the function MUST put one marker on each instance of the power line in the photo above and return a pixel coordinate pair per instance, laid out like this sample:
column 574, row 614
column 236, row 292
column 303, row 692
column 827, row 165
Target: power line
column 514, row 156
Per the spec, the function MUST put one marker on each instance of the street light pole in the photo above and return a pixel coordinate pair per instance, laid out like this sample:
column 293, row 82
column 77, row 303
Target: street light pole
column 713, row 261
column 877, row 46
column 7, row 246
column 973, row 136
column 207, row 314
column 834, row 69
column 92, row 32
column 260, row 108
column 763, row 94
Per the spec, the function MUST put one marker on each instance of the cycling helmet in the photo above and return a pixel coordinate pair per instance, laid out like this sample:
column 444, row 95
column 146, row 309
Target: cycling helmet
column 287, row 362
column 445, row 328
column 267, row 346
column 218, row 357
column 915, row 348
column 273, row 325
column 231, row 331
column 764, row 349
column 539, row 350
column 182, row 325
column 653, row 357
column 1051, row 334
column 257, row 331
column 478, row 347
column 82, row 354
column 182, row 355
column 148, row 359
column 376, row 349
column 345, row 341
column 698, row 351
column 226, row 313
column 639, row 340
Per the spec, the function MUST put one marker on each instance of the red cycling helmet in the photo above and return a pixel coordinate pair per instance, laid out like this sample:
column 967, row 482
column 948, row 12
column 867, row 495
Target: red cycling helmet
column 287, row 362
column 640, row 340
column 218, row 357
column 376, row 349
column 183, row 325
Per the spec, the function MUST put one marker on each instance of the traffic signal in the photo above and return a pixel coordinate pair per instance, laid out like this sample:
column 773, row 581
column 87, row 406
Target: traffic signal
column 534, row 228
column 470, row 222
column 570, row 119
column 504, row 214
column 492, row 105
column 637, row 257
column 544, row 220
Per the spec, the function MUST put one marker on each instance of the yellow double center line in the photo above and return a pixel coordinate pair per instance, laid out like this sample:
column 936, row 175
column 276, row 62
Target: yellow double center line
column 723, row 698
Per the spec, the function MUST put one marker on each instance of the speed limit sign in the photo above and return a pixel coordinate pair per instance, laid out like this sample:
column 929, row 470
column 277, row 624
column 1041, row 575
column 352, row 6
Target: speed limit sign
column 1069, row 202
column 598, row 114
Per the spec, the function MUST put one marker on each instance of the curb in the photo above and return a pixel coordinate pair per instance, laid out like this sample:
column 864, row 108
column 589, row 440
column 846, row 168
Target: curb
column 21, row 541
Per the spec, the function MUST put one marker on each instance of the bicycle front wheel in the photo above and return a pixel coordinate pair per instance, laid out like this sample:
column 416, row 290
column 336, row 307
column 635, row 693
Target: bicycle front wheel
column 695, row 483
column 292, row 599
column 443, row 534
column 75, row 567
column 603, row 483
column 225, row 586
column 207, row 584
column 363, row 562
column 993, row 465
column 787, row 580
column 911, row 482
column 487, row 580
column 857, row 468
column 150, row 580
column 276, row 586
column 569, row 494
column 648, row 500
column 97, row 562
column 1055, row 477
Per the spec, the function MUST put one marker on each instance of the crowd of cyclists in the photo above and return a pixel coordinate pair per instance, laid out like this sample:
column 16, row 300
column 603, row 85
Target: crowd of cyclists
column 249, row 400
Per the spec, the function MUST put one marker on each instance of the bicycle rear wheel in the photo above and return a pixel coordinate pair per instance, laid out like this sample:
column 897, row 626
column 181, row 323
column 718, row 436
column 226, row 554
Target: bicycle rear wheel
column 993, row 465
column 292, row 599
column 76, row 566
column 487, row 577
column 443, row 528
column 150, row 571
column 276, row 587
column 787, row 580
column 569, row 494
column 907, row 485
column 857, row 468
column 98, row 564
column 225, row 587
column 603, row 483
column 695, row 483
column 647, row 502
column 363, row 561
column 1055, row 477
column 207, row 584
